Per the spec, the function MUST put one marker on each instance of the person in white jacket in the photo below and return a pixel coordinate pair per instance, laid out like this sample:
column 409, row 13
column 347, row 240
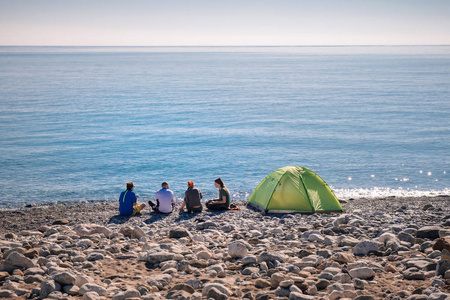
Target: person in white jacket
column 164, row 200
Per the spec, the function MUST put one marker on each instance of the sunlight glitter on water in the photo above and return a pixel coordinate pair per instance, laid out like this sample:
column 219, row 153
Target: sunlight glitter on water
column 387, row 192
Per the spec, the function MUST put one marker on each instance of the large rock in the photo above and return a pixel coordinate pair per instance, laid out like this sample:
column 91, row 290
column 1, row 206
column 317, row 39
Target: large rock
column 183, row 287
column 61, row 222
column 31, row 253
column 276, row 279
column 158, row 257
column 272, row 257
column 48, row 286
column 85, row 243
column 444, row 232
column 343, row 219
column 261, row 283
column 316, row 237
column 362, row 273
column 65, row 278
column 178, row 232
column 442, row 243
column 160, row 281
column 386, row 237
column 179, row 295
column 95, row 256
column 413, row 274
column 442, row 267
column 300, row 296
column 71, row 290
column 137, row 233
column 406, row 237
column 91, row 296
column 250, row 271
column 199, row 263
column 204, row 254
column 168, row 265
column 123, row 295
column 342, row 257
column 7, row 294
column 33, row 278
column 248, row 260
column 445, row 255
column 215, row 294
column 18, row 249
column 393, row 244
column 127, row 255
column 348, row 241
column 282, row 292
column 19, row 260
column 237, row 249
column 126, row 230
column 31, row 233
column 205, row 225
column 325, row 253
column 439, row 296
column 417, row 263
column 82, row 280
column 89, row 229
column 428, row 232
column 34, row 271
column 217, row 267
column 90, row 287
column 10, row 236
column 3, row 275
column 390, row 240
column 332, row 270
column 322, row 284
column 363, row 248
column 346, row 294
column 194, row 283
column 221, row 288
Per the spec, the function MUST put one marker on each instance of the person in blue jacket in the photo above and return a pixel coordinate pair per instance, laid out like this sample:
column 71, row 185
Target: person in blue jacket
column 128, row 204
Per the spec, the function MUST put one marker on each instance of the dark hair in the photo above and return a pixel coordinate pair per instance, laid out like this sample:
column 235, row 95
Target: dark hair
column 164, row 185
column 220, row 182
column 130, row 185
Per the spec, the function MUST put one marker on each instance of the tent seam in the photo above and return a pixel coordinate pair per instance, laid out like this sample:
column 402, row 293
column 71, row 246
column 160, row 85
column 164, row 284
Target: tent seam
column 274, row 190
column 306, row 191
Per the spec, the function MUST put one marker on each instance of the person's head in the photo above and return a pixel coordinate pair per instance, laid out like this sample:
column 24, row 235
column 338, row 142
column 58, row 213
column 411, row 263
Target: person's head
column 219, row 183
column 190, row 183
column 130, row 185
column 165, row 185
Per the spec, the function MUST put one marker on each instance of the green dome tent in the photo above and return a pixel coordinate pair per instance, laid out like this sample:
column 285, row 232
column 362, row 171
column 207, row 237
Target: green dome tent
column 294, row 189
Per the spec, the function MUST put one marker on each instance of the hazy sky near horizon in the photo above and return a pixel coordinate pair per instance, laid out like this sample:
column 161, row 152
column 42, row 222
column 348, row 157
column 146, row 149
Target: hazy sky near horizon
column 228, row 22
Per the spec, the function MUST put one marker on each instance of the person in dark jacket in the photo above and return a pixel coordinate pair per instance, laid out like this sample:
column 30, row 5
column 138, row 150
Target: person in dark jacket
column 192, row 198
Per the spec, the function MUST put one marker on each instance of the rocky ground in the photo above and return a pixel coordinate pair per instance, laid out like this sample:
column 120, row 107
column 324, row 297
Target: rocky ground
column 390, row 248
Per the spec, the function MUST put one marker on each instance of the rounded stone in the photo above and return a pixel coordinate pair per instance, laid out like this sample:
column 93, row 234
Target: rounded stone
column 237, row 249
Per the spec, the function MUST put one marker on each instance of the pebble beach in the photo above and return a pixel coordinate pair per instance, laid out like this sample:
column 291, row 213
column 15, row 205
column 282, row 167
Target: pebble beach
column 385, row 248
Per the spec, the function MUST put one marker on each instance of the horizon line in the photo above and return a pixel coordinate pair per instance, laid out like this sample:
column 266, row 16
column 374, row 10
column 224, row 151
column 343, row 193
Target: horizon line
column 317, row 45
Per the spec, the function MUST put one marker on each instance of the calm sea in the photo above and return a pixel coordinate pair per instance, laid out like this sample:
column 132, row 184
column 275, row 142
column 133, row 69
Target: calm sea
column 78, row 122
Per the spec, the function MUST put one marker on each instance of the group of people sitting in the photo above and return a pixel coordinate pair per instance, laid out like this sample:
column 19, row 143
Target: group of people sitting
column 165, row 202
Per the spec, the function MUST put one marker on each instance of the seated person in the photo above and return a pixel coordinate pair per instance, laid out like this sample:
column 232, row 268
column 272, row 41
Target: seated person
column 128, row 201
column 223, row 203
column 192, row 198
column 164, row 200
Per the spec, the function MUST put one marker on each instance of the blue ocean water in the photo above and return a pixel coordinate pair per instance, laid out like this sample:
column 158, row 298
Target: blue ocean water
column 78, row 122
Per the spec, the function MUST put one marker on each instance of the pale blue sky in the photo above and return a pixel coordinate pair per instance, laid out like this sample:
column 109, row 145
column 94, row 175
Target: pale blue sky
column 227, row 22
